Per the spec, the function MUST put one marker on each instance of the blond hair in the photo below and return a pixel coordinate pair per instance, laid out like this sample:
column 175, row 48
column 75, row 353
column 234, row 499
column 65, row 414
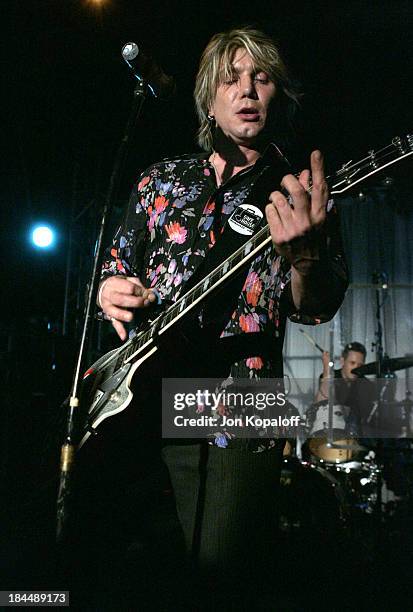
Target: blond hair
column 216, row 66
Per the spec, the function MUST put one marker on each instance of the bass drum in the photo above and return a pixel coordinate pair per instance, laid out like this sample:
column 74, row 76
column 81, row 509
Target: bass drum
column 312, row 501
column 317, row 424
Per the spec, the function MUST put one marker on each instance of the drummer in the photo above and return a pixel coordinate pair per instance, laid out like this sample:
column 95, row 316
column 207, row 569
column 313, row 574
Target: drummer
column 355, row 392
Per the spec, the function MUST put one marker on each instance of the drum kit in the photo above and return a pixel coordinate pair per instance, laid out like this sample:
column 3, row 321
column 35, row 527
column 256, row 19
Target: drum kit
column 332, row 479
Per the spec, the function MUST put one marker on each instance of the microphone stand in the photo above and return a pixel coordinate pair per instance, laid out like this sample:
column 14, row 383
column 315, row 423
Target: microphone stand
column 67, row 456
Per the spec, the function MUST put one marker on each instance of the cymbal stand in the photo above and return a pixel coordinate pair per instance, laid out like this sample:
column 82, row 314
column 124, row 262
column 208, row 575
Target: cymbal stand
column 331, row 395
column 331, row 385
column 408, row 406
column 379, row 279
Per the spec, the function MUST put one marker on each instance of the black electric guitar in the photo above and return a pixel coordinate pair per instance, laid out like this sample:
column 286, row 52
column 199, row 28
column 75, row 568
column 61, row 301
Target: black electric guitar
column 108, row 380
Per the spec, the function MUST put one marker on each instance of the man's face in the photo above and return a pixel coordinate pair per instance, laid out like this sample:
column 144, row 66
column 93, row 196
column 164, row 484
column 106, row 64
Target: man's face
column 242, row 104
column 353, row 360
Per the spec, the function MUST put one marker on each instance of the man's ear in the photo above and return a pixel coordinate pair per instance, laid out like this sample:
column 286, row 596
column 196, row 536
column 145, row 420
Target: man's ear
column 341, row 361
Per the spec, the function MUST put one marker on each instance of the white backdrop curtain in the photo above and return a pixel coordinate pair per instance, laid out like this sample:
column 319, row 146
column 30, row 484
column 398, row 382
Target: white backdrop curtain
column 378, row 237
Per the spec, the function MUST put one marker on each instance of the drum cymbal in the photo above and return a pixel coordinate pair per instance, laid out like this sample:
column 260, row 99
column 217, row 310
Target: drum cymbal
column 388, row 365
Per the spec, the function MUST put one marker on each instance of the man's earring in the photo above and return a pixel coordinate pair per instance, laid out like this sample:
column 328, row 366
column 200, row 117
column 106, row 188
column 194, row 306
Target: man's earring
column 211, row 119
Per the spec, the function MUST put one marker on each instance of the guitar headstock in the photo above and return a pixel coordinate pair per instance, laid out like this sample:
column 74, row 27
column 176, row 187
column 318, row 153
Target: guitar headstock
column 375, row 161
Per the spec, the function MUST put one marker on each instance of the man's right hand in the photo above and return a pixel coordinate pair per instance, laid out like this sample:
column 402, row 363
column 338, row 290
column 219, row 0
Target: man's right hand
column 120, row 295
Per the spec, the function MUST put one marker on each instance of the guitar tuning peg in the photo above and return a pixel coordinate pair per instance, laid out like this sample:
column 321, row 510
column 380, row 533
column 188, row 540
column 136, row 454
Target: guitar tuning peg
column 372, row 155
column 398, row 142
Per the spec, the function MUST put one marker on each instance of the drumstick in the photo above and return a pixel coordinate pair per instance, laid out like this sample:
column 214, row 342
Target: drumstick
column 311, row 340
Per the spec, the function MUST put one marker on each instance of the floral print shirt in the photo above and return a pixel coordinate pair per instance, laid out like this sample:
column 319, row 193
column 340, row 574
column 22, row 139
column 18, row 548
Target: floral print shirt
column 173, row 218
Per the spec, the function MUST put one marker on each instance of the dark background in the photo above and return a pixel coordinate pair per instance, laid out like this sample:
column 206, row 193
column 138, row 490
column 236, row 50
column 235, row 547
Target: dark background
column 67, row 95
column 66, row 99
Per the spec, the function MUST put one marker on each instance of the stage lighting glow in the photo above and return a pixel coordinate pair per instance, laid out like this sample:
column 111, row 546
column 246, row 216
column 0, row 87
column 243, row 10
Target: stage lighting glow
column 43, row 237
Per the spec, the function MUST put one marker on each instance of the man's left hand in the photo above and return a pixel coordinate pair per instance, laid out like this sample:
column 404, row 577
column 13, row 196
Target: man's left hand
column 294, row 221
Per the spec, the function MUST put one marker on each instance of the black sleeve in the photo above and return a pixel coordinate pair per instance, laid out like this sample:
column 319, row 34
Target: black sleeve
column 124, row 256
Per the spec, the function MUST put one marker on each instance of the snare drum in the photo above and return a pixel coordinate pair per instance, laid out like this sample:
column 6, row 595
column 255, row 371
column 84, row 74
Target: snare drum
column 317, row 426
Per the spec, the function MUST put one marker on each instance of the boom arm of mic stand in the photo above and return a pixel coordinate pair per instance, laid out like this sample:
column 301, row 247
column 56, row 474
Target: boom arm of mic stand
column 68, row 448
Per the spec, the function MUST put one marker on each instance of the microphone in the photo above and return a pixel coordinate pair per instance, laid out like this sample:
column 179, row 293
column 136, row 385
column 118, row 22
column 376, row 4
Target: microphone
column 145, row 68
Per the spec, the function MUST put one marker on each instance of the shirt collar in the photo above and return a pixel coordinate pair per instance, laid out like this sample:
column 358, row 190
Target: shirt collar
column 271, row 155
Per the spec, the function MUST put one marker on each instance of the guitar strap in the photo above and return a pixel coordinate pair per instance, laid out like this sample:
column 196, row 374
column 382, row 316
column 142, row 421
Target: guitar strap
column 245, row 221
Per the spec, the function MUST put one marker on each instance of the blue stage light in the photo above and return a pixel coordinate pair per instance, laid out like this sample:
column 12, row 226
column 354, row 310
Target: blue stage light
column 43, row 237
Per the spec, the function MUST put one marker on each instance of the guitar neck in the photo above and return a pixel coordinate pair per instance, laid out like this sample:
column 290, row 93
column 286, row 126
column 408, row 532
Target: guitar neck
column 350, row 174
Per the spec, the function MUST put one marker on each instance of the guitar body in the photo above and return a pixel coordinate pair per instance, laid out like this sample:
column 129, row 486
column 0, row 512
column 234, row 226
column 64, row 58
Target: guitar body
column 109, row 393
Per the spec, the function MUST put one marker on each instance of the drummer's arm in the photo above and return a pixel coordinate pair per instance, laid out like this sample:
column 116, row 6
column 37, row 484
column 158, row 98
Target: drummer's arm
column 323, row 389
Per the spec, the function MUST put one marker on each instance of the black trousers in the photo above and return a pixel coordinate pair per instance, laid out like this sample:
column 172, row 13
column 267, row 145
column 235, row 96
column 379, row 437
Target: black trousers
column 226, row 501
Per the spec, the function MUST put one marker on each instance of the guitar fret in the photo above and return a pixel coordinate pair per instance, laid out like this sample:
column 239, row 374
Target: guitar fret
column 151, row 332
column 119, row 363
column 127, row 352
column 145, row 337
column 177, row 308
column 194, row 294
column 171, row 314
column 168, row 316
column 182, row 306
column 135, row 344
